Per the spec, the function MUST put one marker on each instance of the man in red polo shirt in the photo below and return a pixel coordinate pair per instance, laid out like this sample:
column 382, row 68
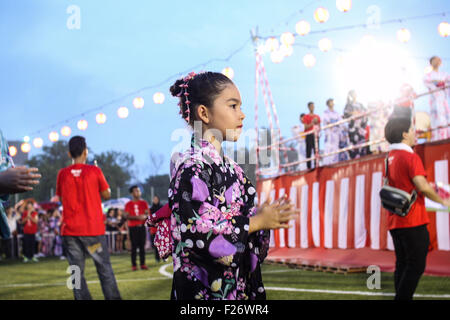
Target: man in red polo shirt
column 137, row 211
column 79, row 188
column 409, row 233
column 310, row 120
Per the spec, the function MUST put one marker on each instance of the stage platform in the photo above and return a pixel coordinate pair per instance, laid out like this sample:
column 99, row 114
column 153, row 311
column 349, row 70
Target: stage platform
column 353, row 260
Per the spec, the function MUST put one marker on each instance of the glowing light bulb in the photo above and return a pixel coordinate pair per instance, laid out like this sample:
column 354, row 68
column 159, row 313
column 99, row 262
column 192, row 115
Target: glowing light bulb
column 444, row 29
column 38, row 142
column 158, row 98
column 25, row 147
column 12, row 151
column 325, row 45
column 122, row 112
column 82, row 125
column 66, row 131
column 53, row 136
column 287, row 39
column 344, row 5
column 303, row 27
column 403, row 35
column 309, row 60
column 100, row 118
column 229, row 72
column 321, row 15
column 138, row 102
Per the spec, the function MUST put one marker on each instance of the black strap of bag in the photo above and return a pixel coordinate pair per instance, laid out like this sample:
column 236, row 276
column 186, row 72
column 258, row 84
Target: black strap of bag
column 396, row 200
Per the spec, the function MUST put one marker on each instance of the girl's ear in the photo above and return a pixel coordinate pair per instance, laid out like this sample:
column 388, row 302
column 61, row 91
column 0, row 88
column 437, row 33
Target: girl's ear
column 203, row 114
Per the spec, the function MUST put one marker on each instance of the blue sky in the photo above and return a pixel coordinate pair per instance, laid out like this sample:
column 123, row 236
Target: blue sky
column 50, row 73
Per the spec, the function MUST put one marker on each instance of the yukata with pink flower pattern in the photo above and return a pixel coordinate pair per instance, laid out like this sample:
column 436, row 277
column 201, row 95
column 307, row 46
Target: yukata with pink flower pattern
column 214, row 256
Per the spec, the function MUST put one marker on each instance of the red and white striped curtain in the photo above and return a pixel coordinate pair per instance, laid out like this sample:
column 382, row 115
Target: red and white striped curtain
column 340, row 206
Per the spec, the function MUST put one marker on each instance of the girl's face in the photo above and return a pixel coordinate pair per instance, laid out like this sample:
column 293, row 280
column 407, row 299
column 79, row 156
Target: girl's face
column 226, row 115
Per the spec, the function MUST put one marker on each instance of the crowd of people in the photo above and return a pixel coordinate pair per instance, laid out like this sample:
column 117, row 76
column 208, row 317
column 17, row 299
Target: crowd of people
column 35, row 232
column 371, row 126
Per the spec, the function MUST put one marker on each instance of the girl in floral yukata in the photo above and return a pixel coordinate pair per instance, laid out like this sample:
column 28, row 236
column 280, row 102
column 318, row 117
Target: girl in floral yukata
column 219, row 237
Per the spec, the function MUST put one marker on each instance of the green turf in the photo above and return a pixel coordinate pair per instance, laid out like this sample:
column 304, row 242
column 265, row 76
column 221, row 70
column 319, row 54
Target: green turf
column 47, row 280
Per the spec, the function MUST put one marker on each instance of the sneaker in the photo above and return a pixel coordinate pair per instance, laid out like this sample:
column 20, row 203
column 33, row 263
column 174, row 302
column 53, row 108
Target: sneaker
column 144, row 267
column 35, row 259
column 25, row 260
column 133, row 268
column 62, row 258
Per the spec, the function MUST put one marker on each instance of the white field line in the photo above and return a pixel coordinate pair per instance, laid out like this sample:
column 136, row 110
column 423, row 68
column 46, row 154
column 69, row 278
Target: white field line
column 163, row 271
column 168, row 275
column 56, row 284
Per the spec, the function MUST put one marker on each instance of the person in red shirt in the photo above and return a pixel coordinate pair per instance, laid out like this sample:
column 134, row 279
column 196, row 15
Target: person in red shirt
column 29, row 221
column 137, row 211
column 310, row 120
column 79, row 187
column 409, row 233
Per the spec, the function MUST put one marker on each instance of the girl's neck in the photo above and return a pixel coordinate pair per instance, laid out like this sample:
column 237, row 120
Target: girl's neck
column 209, row 136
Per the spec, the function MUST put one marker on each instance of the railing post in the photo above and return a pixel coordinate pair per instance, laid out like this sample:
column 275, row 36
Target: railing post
column 316, row 146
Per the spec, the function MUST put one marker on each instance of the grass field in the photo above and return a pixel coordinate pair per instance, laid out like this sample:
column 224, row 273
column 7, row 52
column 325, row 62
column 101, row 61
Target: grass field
column 47, row 280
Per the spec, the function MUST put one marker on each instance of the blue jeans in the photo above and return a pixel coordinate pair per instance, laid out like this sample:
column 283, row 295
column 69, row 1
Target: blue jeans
column 78, row 248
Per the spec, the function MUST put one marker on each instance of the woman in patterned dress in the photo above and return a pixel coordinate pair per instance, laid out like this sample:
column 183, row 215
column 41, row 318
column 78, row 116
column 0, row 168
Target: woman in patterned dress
column 219, row 237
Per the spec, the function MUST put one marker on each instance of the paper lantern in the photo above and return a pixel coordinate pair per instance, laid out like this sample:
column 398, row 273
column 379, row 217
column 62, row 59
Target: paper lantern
column 122, row 112
column 25, row 147
column 12, row 151
column 26, row 139
column 272, row 44
column 428, row 69
column 158, row 98
column 444, row 29
column 229, row 72
column 38, row 142
column 303, row 27
column 53, row 136
column 325, row 44
column 100, row 118
column 82, row 125
column 321, row 15
column 344, row 5
column 138, row 102
column 309, row 60
column 403, row 35
column 286, row 50
column 277, row 56
column 66, row 131
column 287, row 39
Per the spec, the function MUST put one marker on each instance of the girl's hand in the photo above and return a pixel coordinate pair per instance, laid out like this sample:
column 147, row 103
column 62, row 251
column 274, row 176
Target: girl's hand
column 273, row 216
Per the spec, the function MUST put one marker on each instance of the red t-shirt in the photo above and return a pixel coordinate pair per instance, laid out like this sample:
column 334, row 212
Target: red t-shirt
column 403, row 167
column 134, row 209
column 30, row 227
column 79, row 186
column 308, row 119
